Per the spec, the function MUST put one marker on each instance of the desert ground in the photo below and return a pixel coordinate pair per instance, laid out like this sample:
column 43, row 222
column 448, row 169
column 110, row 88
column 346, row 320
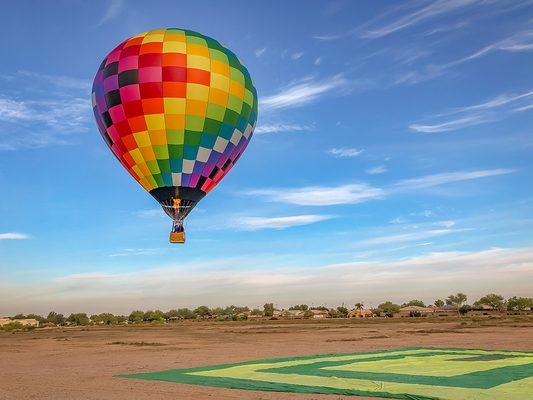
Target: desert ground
column 82, row 363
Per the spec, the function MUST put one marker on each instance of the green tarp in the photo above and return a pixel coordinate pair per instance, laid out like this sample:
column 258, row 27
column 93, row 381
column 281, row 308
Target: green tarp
column 409, row 373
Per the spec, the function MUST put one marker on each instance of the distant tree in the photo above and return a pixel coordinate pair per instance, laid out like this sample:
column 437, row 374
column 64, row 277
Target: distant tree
column 229, row 313
column 300, row 307
column 439, row 303
column 185, row 313
column 492, row 300
column 342, row 311
column 155, row 315
column 520, row 303
column 233, row 310
column 257, row 311
column 107, row 319
column 136, row 316
column 388, row 308
column 202, row 311
column 359, row 306
column 18, row 316
column 456, row 300
column 268, row 309
column 218, row 311
column 55, row 318
column 416, row 303
column 94, row 319
column 78, row 319
column 321, row 308
column 121, row 319
column 465, row 308
column 333, row 313
column 172, row 314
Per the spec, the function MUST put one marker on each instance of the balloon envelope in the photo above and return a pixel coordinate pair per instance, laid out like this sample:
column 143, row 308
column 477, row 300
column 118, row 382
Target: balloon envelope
column 177, row 109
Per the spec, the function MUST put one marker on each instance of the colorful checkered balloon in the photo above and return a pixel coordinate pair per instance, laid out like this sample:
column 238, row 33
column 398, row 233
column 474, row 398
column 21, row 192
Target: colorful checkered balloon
column 177, row 109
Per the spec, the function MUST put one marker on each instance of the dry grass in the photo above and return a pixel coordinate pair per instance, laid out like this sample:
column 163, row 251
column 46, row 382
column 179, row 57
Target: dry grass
column 139, row 344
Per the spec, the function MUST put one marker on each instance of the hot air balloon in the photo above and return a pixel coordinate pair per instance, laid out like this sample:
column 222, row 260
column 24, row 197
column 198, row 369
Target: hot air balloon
column 177, row 109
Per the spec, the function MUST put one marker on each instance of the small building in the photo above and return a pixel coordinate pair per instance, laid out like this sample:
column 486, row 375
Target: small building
column 360, row 314
column 414, row 311
column 293, row 314
column 277, row 314
column 250, row 315
column 320, row 314
column 446, row 311
column 484, row 310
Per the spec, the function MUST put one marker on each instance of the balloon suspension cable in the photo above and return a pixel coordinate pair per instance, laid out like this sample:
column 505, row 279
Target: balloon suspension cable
column 177, row 209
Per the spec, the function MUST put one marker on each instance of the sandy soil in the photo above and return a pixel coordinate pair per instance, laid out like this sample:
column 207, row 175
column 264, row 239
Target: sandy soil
column 80, row 363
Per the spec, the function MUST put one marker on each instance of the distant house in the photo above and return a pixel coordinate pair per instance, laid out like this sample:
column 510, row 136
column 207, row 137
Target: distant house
column 25, row 322
column 484, row 310
column 319, row 314
column 249, row 315
column 293, row 314
column 414, row 311
column 360, row 314
column 277, row 314
column 446, row 311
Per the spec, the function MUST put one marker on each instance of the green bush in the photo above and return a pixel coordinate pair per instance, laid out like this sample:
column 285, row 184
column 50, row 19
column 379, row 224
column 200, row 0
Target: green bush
column 16, row 326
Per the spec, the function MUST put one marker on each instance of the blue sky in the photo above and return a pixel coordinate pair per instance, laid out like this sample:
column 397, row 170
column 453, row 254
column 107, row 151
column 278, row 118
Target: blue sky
column 392, row 159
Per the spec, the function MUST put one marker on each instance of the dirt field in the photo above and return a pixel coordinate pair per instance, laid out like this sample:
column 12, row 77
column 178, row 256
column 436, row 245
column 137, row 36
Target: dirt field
column 80, row 363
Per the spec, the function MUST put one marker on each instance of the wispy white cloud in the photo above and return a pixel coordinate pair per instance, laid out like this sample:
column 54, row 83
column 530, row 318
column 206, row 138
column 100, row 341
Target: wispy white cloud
column 379, row 169
column 494, row 109
column 518, row 42
column 29, row 118
column 154, row 212
column 38, row 110
column 321, row 195
column 398, row 220
column 297, row 55
column 329, row 37
column 61, row 81
column 447, row 28
column 13, row 236
column 446, row 224
column 361, row 192
column 407, row 237
column 281, row 127
column 398, row 19
column 303, row 92
column 423, row 213
column 135, row 252
column 413, row 77
column 114, row 8
column 318, row 60
column 259, row 52
column 341, row 152
column 257, row 223
column 449, row 177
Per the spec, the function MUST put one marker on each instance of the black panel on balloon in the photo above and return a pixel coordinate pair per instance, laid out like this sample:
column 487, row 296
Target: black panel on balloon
column 112, row 98
column 111, row 69
column 128, row 78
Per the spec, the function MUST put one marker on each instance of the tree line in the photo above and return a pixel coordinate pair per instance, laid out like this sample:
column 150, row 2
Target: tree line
column 387, row 308
column 459, row 301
